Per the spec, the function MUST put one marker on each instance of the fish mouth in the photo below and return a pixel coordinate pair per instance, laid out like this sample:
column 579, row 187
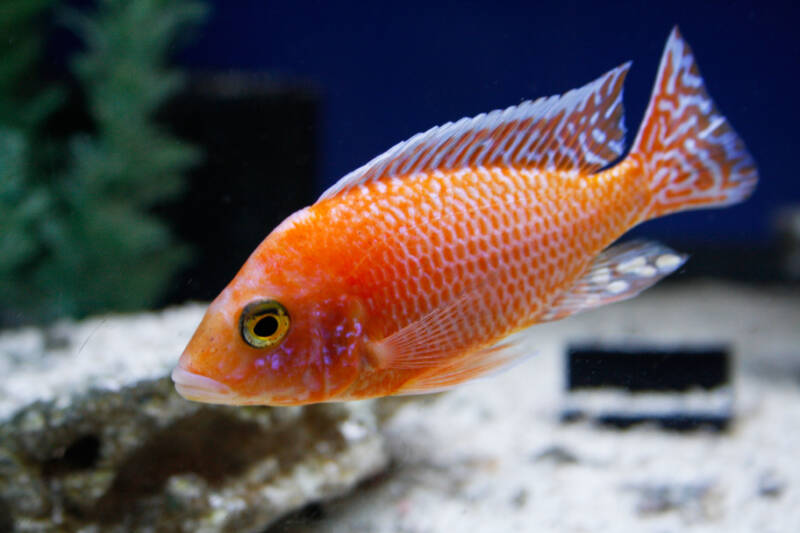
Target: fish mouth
column 201, row 388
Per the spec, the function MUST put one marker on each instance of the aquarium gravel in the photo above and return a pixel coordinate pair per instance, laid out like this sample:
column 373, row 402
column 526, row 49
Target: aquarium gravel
column 494, row 456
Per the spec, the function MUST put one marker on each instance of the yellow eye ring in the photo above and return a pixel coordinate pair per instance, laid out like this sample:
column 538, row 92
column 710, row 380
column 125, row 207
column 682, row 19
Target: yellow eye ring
column 264, row 323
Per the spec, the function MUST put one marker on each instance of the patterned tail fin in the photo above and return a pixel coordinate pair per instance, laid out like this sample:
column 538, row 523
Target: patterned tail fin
column 689, row 150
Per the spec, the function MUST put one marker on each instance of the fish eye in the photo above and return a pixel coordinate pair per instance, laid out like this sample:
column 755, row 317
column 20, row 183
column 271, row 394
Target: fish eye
column 264, row 323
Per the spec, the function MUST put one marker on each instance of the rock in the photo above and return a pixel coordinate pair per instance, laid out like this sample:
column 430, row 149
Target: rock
column 93, row 437
column 770, row 484
column 556, row 454
column 693, row 499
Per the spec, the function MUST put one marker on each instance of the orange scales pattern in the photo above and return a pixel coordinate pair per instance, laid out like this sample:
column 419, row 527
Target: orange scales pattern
column 508, row 239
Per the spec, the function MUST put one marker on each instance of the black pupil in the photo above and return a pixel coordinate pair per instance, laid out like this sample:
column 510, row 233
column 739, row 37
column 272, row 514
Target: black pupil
column 266, row 326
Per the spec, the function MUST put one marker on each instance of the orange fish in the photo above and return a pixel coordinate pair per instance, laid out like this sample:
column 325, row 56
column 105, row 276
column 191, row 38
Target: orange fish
column 427, row 266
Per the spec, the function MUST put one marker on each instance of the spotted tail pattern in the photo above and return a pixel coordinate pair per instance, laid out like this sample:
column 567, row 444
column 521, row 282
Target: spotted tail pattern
column 689, row 150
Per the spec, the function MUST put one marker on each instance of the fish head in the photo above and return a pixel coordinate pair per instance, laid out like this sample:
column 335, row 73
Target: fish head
column 273, row 339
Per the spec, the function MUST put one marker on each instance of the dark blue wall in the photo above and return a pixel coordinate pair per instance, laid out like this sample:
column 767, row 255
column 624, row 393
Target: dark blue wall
column 387, row 70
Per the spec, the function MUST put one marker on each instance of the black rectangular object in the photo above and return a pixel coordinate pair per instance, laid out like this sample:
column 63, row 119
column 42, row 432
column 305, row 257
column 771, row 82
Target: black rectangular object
column 678, row 387
column 259, row 160
column 648, row 368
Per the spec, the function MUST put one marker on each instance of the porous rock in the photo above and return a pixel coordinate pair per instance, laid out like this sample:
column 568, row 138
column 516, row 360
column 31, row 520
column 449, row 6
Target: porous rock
column 94, row 438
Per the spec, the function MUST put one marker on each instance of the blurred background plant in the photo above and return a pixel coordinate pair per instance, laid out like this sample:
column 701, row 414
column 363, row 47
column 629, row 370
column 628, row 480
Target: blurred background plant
column 77, row 229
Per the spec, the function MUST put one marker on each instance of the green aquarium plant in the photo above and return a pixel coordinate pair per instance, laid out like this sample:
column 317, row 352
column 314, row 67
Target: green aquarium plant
column 24, row 105
column 77, row 231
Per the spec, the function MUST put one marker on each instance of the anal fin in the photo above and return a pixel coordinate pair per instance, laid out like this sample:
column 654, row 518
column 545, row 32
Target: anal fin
column 618, row 273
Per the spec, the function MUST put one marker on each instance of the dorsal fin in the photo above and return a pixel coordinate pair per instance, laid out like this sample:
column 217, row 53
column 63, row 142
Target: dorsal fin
column 580, row 130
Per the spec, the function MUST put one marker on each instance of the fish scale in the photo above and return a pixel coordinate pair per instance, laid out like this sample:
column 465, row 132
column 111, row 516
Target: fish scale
column 390, row 274
column 427, row 266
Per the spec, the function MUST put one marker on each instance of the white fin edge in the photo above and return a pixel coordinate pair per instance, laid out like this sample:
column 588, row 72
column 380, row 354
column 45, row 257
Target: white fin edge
column 580, row 130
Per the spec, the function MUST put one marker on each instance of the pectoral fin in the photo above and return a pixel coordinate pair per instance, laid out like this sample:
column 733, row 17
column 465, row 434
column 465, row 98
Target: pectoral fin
column 481, row 363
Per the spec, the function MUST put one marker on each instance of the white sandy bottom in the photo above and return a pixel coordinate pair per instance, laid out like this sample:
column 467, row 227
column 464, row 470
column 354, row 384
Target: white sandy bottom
column 493, row 456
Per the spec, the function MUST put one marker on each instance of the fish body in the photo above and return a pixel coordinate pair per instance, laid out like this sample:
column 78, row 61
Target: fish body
column 427, row 266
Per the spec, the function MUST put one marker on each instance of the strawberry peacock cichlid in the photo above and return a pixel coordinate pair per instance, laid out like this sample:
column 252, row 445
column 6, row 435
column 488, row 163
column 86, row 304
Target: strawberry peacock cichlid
column 427, row 266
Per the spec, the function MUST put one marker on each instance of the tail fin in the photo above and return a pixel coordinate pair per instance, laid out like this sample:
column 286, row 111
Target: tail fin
column 689, row 150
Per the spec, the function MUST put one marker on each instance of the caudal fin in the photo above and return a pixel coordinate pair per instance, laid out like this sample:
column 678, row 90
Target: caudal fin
column 688, row 149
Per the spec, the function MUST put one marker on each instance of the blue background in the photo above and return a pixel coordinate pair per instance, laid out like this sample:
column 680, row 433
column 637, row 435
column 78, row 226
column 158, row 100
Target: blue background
column 385, row 71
